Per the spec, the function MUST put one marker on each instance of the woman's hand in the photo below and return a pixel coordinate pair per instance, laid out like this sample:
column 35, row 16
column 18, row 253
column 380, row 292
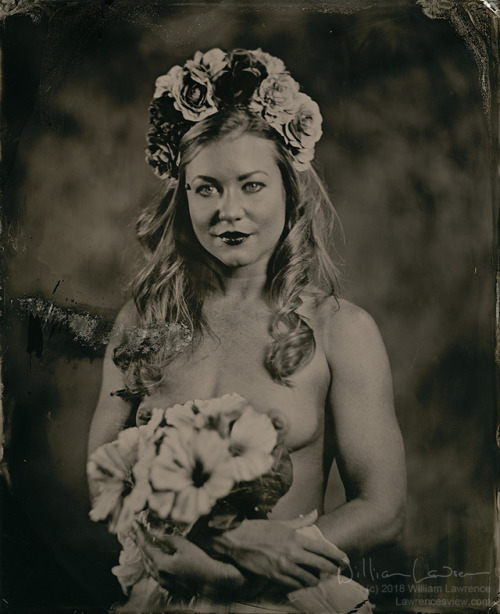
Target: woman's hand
column 177, row 564
column 280, row 552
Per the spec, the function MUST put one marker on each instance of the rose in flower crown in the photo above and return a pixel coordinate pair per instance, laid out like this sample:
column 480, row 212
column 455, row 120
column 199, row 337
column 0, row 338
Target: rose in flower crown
column 216, row 80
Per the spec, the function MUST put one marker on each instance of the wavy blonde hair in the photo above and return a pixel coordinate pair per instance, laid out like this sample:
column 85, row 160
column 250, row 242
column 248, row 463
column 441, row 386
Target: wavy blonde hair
column 178, row 273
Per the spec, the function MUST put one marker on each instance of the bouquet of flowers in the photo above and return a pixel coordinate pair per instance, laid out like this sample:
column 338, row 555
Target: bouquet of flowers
column 196, row 468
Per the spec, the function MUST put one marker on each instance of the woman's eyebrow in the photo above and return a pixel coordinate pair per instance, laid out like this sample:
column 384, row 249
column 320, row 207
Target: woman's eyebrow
column 247, row 175
column 240, row 177
column 204, row 178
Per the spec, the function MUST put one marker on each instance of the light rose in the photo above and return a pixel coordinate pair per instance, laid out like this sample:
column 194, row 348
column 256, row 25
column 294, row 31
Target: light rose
column 191, row 88
column 277, row 97
column 303, row 131
column 214, row 60
column 273, row 65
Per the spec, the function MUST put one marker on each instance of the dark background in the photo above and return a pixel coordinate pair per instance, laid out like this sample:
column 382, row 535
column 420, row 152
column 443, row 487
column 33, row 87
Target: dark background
column 407, row 156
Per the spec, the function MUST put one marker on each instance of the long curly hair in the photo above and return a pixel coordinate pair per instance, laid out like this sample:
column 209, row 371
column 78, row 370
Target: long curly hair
column 178, row 273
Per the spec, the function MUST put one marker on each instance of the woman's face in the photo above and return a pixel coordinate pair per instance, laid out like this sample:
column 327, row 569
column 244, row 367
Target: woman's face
column 236, row 199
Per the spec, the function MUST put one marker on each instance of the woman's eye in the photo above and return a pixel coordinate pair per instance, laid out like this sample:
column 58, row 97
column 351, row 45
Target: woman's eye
column 252, row 187
column 206, row 191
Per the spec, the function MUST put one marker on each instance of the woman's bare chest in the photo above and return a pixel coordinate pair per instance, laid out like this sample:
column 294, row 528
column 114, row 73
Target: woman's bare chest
column 232, row 359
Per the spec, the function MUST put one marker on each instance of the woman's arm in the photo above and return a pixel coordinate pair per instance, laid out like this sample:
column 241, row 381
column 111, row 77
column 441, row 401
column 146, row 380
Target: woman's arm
column 112, row 411
column 277, row 550
column 258, row 554
column 176, row 563
column 370, row 452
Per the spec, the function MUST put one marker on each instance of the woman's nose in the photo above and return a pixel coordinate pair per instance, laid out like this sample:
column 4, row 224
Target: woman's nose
column 230, row 207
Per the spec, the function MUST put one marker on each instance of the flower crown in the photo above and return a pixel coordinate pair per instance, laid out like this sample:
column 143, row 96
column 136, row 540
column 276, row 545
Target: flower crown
column 216, row 80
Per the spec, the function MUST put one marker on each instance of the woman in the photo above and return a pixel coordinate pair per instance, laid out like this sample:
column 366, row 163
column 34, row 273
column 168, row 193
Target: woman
column 238, row 254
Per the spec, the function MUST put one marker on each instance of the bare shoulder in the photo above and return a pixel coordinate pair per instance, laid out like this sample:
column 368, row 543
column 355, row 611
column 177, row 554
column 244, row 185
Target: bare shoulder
column 341, row 312
column 126, row 322
column 350, row 334
column 128, row 315
column 343, row 320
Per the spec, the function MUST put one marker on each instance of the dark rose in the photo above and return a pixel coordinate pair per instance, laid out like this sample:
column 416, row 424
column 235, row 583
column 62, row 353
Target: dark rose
column 163, row 149
column 167, row 127
column 159, row 157
column 244, row 75
column 162, row 111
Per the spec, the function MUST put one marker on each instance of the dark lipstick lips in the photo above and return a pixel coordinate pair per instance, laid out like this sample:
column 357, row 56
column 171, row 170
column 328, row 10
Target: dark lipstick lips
column 233, row 237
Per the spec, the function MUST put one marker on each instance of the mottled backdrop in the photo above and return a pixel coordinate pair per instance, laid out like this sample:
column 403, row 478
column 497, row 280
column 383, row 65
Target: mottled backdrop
column 407, row 158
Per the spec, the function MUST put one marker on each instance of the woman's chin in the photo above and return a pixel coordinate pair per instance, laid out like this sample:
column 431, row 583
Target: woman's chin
column 240, row 262
column 240, row 257
column 235, row 257
column 236, row 263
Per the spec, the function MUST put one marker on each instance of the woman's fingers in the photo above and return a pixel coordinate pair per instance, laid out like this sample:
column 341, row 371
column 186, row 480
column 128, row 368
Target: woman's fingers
column 157, row 556
column 331, row 552
column 323, row 548
column 289, row 583
column 295, row 572
column 316, row 562
column 167, row 543
column 140, row 541
column 312, row 539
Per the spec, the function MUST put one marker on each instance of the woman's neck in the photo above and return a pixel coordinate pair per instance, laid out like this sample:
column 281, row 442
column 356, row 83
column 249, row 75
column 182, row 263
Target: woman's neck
column 242, row 283
column 244, row 288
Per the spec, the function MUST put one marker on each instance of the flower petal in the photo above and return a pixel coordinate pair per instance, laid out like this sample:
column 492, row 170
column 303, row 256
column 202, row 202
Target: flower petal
column 210, row 450
column 163, row 478
column 108, row 501
column 181, row 415
column 165, row 83
column 108, row 462
column 272, row 64
column 126, row 517
column 220, row 483
column 162, row 502
column 253, row 430
column 251, row 465
column 175, row 448
column 157, row 416
column 131, row 567
column 220, row 405
column 190, row 504
column 220, row 413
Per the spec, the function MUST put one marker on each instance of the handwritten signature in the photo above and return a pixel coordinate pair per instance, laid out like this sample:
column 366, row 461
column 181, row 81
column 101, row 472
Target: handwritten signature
column 368, row 570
